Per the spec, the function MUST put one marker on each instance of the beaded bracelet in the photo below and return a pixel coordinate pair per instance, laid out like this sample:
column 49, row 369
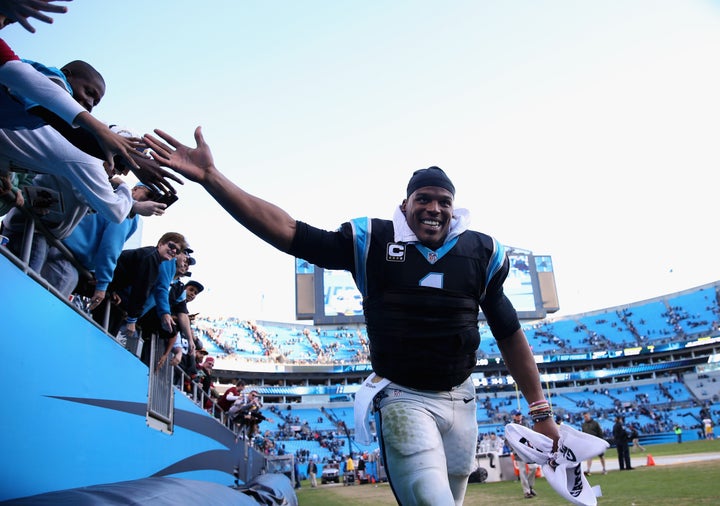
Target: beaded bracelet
column 541, row 417
column 546, row 409
column 539, row 411
column 541, row 401
column 539, row 406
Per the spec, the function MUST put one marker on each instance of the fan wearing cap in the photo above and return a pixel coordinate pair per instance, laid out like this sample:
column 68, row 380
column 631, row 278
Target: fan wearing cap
column 136, row 272
column 180, row 294
column 424, row 276
column 193, row 289
column 185, row 345
column 170, row 306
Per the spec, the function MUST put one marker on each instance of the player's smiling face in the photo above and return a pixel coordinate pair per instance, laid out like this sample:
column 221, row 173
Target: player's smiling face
column 428, row 212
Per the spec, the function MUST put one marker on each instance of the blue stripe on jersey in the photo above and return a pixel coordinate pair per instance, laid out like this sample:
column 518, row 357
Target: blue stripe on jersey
column 362, row 229
column 496, row 262
column 441, row 251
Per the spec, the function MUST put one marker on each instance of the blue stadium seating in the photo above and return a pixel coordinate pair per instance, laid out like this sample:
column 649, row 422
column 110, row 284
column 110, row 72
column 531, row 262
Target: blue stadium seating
column 696, row 311
column 650, row 404
column 656, row 321
column 606, row 330
column 650, row 320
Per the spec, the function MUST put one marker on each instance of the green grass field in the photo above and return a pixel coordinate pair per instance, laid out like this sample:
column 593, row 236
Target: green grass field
column 661, row 485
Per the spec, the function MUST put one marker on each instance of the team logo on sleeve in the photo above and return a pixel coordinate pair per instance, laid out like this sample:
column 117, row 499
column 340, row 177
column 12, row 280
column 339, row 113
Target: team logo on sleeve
column 395, row 252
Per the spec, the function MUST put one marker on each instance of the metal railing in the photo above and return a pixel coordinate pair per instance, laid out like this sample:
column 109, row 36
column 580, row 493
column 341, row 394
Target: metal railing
column 160, row 391
column 161, row 394
column 162, row 380
column 194, row 391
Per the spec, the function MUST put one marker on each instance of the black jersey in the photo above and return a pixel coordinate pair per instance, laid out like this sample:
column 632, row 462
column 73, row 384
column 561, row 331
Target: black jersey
column 134, row 276
column 421, row 306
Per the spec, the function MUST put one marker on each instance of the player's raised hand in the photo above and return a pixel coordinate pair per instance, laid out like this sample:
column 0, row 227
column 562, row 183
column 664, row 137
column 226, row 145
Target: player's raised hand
column 193, row 163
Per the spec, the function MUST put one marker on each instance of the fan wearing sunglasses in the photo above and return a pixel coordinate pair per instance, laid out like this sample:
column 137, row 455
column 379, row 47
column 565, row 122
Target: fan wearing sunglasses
column 135, row 274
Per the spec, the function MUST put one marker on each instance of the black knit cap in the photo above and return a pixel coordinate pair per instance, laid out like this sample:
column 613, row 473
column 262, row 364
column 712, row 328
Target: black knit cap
column 432, row 176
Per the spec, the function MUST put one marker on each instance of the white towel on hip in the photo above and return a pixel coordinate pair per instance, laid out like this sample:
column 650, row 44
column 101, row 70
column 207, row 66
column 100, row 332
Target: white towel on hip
column 372, row 385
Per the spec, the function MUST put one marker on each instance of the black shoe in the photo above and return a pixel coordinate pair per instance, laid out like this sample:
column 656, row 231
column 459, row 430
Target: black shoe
column 532, row 492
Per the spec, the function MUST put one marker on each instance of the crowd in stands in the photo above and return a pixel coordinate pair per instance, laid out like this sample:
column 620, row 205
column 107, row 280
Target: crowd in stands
column 654, row 322
column 651, row 408
column 68, row 207
column 280, row 343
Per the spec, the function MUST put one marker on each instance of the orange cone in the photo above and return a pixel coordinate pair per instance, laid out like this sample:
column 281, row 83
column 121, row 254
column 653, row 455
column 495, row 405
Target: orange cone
column 650, row 460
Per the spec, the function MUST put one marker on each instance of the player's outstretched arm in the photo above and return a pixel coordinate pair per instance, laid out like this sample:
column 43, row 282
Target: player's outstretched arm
column 266, row 220
column 21, row 10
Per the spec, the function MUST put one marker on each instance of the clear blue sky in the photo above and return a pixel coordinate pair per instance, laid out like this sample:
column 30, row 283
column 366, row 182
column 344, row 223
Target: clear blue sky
column 583, row 130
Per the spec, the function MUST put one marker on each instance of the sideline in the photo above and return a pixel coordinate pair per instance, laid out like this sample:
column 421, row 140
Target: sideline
column 682, row 459
column 640, row 460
